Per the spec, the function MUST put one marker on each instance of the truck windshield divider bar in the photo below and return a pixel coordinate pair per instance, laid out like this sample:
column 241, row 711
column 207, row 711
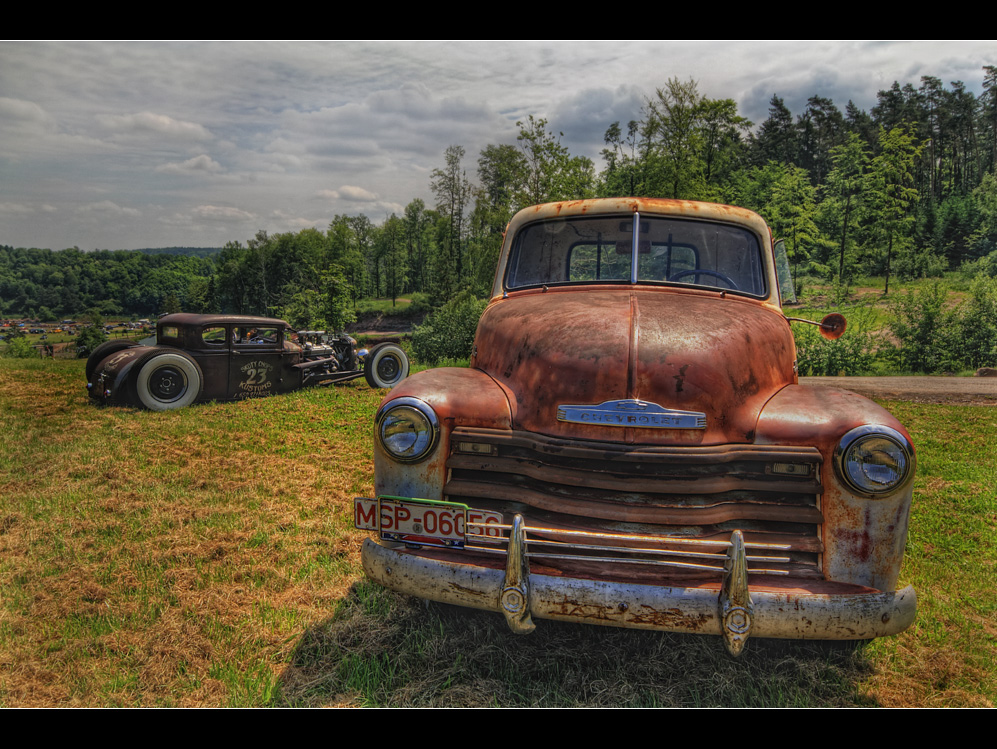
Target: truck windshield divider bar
column 634, row 248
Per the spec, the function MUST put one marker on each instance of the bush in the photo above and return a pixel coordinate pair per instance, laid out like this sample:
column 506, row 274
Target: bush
column 19, row 348
column 448, row 333
column 852, row 354
column 416, row 308
column 977, row 325
column 985, row 266
column 923, row 263
column 88, row 339
column 419, row 304
column 337, row 292
column 925, row 331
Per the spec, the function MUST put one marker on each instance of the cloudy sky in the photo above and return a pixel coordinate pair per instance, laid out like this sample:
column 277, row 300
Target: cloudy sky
column 123, row 145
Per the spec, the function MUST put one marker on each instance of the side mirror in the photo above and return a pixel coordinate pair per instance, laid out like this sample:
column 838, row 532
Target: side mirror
column 832, row 327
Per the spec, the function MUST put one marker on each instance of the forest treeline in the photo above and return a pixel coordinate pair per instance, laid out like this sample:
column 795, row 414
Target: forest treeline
column 905, row 190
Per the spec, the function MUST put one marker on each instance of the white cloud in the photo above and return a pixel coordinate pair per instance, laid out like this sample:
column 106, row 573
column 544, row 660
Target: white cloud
column 297, row 222
column 26, row 112
column 350, row 192
column 15, row 209
column 222, row 213
column 197, row 164
column 152, row 123
column 392, row 125
column 108, row 207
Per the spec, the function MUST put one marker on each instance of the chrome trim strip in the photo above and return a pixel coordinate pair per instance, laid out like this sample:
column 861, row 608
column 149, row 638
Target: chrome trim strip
column 631, row 412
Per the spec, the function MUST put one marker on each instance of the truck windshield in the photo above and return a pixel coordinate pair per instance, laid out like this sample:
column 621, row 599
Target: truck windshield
column 668, row 251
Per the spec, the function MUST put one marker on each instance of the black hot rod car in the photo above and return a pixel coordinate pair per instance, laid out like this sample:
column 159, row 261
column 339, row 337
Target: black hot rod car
column 231, row 357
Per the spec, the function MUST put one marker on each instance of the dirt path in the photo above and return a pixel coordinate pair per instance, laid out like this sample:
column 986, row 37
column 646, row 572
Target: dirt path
column 966, row 391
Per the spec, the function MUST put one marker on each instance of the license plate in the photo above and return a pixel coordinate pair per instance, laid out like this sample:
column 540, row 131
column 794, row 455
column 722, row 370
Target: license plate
column 424, row 521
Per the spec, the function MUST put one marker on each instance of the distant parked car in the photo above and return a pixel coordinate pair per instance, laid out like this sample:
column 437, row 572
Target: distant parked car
column 231, row 357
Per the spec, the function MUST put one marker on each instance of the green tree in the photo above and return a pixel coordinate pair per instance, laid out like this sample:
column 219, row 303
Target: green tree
column 418, row 241
column 923, row 330
column 304, row 310
column 988, row 114
column 625, row 159
column 984, row 239
column 91, row 335
column 499, row 170
column 393, row 254
column 724, row 149
column 678, row 140
column 337, row 296
column 783, row 195
column 844, row 187
column 551, row 173
column 449, row 332
column 977, row 324
column 347, row 236
column 892, row 192
column 453, row 194
column 695, row 144
column 776, row 138
column 231, row 285
column 792, row 214
column 819, row 129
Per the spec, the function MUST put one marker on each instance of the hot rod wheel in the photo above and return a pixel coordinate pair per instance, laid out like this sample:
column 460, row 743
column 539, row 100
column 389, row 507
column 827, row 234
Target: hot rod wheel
column 167, row 380
column 385, row 366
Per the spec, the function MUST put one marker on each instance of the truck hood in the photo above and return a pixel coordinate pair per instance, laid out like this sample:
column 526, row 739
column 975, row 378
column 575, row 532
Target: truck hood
column 715, row 356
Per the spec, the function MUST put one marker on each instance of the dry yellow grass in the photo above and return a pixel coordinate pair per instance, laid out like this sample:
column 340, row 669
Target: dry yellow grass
column 206, row 557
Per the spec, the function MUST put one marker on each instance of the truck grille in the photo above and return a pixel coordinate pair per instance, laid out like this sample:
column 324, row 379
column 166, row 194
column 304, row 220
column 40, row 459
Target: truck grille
column 590, row 504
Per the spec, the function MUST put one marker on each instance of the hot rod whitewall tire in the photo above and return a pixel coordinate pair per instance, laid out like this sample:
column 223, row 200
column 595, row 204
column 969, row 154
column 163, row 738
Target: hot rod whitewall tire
column 386, row 365
column 103, row 351
column 167, row 380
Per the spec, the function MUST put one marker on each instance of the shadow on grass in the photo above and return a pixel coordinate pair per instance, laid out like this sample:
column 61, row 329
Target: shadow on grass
column 385, row 649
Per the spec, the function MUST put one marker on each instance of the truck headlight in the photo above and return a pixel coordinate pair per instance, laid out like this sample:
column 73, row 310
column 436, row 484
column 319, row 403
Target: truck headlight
column 407, row 429
column 874, row 460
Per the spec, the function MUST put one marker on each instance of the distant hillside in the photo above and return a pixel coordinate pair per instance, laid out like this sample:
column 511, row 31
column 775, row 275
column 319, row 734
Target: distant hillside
column 47, row 285
column 192, row 251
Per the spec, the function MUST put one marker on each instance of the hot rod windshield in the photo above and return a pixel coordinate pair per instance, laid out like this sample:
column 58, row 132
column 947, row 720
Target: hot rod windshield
column 602, row 249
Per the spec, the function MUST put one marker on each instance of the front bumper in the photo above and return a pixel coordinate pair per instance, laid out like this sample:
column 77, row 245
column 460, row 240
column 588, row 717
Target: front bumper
column 733, row 612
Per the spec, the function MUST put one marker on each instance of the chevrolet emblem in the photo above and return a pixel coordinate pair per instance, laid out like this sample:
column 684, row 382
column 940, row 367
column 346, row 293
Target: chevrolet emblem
column 631, row 412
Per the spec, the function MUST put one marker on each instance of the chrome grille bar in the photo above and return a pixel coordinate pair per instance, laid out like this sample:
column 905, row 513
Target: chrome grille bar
column 580, row 551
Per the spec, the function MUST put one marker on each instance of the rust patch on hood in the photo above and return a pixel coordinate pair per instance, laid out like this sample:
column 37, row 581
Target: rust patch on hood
column 686, row 350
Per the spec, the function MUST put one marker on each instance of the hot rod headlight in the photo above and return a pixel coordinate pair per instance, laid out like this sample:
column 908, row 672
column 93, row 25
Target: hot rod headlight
column 874, row 460
column 407, row 429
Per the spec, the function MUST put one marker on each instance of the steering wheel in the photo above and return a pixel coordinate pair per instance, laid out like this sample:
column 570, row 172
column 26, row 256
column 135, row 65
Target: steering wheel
column 697, row 273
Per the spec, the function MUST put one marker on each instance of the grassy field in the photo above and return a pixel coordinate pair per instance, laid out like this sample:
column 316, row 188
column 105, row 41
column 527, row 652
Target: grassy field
column 206, row 557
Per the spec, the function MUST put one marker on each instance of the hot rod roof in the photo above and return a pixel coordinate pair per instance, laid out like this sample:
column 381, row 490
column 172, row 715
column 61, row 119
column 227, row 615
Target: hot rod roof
column 189, row 319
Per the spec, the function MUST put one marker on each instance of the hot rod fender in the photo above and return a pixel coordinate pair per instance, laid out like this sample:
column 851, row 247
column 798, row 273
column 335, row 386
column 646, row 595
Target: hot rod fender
column 465, row 397
column 863, row 538
column 113, row 372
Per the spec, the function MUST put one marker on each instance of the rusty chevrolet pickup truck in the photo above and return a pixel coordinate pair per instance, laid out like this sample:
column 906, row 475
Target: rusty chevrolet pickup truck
column 631, row 445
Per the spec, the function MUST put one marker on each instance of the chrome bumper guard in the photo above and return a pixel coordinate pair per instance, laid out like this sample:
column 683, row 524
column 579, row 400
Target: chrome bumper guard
column 735, row 614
